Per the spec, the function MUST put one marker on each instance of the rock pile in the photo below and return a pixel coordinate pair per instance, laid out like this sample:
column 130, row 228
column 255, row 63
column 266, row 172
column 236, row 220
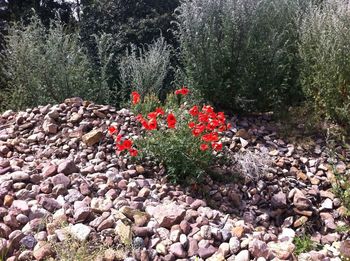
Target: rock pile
column 60, row 176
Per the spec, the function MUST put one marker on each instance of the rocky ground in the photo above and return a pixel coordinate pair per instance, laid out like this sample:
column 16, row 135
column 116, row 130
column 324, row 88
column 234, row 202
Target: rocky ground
column 60, row 177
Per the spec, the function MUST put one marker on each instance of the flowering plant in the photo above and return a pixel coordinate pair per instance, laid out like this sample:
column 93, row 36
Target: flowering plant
column 184, row 138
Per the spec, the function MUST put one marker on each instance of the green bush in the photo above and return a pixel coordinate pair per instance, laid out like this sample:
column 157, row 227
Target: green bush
column 144, row 69
column 48, row 65
column 241, row 54
column 325, row 55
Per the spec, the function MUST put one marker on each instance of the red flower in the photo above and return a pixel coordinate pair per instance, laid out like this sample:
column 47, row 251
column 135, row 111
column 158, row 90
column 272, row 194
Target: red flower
column 127, row 144
column 203, row 117
column 112, row 130
column 214, row 123
column 221, row 116
column 198, row 130
column 135, row 97
column 204, row 147
column 152, row 124
column 216, row 146
column 207, row 109
column 152, row 115
column 160, row 111
column 229, row 126
column 120, row 147
column 171, row 121
column 222, row 128
column 182, row 91
column 210, row 137
column 145, row 124
column 191, row 125
column 194, row 111
column 133, row 152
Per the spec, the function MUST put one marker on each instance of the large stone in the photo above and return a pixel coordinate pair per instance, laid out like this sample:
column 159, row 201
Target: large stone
column 49, row 204
column 258, row 248
column 49, row 170
column 101, row 204
column 50, row 128
column 242, row 256
column 167, row 215
column 93, row 137
column 124, row 232
column 20, row 176
column 177, row 250
column 80, row 231
column 60, row 179
column 279, row 200
column 281, row 250
column 205, row 252
column 300, row 201
column 42, row 250
column 67, row 167
column 81, row 214
column 21, row 206
column 234, row 244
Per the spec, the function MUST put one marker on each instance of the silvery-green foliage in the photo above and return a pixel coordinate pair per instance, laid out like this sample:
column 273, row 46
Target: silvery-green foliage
column 48, row 65
column 325, row 53
column 144, row 69
column 240, row 54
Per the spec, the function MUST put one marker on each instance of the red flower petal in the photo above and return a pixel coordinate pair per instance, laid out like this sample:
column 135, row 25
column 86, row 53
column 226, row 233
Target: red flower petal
column 194, row 111
column 127, row 144
column 112, row 130
column 135, row 97
column 216, row 146
column 191, row 125
column 133, row 152
column 171, row 121
column 182, row 91
column 204, row 147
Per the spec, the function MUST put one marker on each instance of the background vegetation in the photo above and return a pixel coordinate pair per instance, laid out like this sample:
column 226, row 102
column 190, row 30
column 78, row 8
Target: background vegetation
column 240, row 55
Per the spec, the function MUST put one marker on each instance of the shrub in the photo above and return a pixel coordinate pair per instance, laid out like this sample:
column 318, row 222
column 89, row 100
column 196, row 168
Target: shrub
column 46, row 66
column 185, row 139
column 325, row 54
column 144, row 69
column 241, row 54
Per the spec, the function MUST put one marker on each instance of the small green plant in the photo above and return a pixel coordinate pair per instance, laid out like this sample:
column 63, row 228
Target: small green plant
column 303, row 244
column 343, row 229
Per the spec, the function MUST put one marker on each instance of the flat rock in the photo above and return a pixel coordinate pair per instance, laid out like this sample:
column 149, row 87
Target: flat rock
column 242, row 256
column 20, row 176
column 167, row 215
column 67, row 167
column 177, row 250
column 42, row 251
column 124, row 232
column 93, row 137
column 80, row 231
column 281, row 250
column 300, row 201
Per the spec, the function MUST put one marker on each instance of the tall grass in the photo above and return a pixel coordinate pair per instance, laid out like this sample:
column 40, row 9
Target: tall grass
column 325, row 55
column 241, row 54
